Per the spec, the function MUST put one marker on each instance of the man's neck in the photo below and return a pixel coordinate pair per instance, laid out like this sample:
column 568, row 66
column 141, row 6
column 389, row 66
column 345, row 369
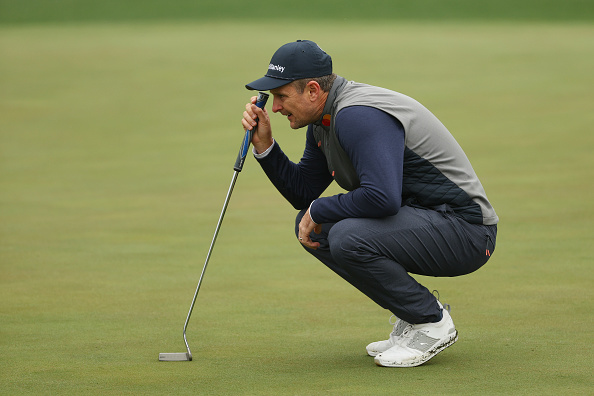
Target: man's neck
column 326, row 106
column 321, row 104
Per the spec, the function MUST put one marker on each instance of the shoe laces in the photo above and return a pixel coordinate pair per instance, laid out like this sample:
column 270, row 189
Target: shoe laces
column 407, row 335
column 447, row 307
column 399, row 326
column 407, row 330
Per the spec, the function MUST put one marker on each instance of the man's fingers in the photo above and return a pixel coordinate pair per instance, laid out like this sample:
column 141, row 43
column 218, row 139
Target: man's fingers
column 249, row 120
column 251, row 114
column 314, row 245
column 258, row 112
column 306, row 226
column 307, row 242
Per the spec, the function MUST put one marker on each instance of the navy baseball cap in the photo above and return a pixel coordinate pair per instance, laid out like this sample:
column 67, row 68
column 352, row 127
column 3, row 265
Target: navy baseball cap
column 294, row 61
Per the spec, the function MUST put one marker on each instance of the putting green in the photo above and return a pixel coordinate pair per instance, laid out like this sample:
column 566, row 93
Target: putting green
column 117, row 145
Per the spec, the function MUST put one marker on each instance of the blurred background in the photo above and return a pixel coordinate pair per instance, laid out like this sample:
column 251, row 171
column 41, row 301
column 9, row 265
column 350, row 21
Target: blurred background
column 35, row 11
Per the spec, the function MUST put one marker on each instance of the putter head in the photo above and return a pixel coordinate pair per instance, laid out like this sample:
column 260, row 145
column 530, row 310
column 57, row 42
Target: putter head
column 175, row 357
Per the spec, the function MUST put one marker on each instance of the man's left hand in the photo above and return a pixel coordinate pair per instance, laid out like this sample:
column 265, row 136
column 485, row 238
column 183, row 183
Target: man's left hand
column 306, row 226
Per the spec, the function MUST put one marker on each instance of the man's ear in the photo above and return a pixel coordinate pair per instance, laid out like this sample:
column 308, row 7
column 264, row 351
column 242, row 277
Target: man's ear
column 313, row 90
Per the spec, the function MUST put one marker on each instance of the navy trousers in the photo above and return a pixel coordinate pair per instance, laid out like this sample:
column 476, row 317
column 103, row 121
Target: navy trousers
column 377, row 255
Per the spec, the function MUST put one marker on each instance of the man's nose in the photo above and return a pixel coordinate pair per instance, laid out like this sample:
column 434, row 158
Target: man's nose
column 276, row 107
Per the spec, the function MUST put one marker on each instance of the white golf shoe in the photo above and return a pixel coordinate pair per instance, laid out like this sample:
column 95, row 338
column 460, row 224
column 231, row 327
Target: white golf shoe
column 378, row 347
column 419, row 343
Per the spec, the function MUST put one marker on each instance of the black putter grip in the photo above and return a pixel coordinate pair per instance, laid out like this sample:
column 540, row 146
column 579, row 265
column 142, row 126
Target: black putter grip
column 247, row 139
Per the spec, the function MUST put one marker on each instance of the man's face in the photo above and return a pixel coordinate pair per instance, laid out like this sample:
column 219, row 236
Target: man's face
column 296, row 106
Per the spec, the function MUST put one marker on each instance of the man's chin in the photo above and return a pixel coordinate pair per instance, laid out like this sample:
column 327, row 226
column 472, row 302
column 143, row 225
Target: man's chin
column 296, row 125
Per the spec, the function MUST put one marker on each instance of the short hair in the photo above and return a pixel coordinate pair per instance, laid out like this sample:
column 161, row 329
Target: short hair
column 324, row 81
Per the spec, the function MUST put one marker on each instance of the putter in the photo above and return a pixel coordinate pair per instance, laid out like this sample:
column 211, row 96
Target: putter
column 245, row 144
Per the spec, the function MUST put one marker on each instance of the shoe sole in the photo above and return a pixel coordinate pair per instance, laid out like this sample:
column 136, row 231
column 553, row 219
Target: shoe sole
column 423, row 358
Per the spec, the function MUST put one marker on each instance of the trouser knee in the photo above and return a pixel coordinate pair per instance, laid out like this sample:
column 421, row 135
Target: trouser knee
column 345, row 245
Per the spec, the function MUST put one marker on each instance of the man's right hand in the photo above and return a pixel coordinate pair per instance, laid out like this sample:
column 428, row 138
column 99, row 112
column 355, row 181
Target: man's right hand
column 252, row 116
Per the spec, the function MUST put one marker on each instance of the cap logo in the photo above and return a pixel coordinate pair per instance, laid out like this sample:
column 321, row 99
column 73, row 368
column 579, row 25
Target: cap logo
column 276, row 67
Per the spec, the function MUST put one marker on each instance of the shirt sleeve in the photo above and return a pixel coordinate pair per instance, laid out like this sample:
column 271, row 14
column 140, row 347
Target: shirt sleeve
column 374, row 142
column 299, row 183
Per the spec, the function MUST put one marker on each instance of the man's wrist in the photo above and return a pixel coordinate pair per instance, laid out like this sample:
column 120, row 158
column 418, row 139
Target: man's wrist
column 264, row 153
column 309, row 211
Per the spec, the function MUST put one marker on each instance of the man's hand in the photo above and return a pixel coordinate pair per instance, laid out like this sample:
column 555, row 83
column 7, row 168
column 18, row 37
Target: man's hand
column 306, row 226
column 252, row 116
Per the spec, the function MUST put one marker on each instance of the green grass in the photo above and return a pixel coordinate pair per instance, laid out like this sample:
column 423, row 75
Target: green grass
column 58, row 11
column 117, row 144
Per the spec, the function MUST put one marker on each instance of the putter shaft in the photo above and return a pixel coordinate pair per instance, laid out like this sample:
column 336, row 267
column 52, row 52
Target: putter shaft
column 260, row 102
column 214, row 239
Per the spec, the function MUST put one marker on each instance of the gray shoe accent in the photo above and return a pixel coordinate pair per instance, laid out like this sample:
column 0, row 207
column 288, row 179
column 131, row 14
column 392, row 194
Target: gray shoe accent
column 422, row 342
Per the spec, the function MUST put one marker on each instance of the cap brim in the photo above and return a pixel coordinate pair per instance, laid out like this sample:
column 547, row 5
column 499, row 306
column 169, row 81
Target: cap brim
column 266, row 84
